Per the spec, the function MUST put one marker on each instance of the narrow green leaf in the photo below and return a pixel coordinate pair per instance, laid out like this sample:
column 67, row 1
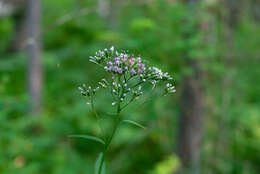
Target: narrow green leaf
column 134, row 123
column 89, row 138
column 98, row 163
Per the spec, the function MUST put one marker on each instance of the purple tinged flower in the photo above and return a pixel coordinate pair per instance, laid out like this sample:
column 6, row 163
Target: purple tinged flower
column 126, row 68
column 108, row 68
column 140, row 70
column 117, row 59
column 109, row 63
column 117, row 62
column 131, row 61
column 125, row 57
column 119, row 70
column 142, row 65
column 114, row 68
column 132, row 71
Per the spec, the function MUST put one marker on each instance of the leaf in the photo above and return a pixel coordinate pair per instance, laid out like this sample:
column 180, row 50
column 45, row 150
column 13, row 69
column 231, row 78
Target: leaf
column 98, row 163
column 93, row 61
column 134, row 123
column 89, row 138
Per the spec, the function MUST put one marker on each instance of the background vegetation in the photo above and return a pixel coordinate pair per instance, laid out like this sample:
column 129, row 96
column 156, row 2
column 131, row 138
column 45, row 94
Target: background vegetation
column 211, row 124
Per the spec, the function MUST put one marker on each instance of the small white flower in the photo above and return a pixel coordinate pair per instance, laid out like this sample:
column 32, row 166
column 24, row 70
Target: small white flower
column 112, row 49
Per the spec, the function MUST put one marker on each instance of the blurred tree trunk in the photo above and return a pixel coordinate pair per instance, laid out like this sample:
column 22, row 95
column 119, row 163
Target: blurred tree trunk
column 104, row 8
column 26, row 14
column 34, row 52
column 114, row 15
column 191, row 118
column 255, row 6
column 232, row 14
column 191, row 112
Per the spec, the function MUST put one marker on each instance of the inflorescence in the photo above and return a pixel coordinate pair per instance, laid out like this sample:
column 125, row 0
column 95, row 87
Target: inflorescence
column 128, row 75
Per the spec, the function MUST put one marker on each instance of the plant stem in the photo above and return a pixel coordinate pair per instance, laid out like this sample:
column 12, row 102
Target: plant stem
column 117, row 123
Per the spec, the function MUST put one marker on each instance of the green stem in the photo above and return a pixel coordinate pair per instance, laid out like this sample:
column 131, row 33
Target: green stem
column 117, row 123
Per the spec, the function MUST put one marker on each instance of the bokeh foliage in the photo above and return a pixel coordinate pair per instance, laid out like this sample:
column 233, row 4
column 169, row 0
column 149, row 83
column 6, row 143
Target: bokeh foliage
column 39, row 145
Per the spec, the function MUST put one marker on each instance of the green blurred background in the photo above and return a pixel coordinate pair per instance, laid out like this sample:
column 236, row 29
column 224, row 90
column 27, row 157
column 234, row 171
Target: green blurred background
column 211, row 125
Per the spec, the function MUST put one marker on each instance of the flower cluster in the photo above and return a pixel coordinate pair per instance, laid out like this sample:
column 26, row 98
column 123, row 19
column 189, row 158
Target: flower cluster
column 122, row 64
column 128, row 75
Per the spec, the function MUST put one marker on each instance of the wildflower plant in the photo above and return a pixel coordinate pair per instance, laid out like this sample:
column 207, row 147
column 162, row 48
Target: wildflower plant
column 127, row 75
